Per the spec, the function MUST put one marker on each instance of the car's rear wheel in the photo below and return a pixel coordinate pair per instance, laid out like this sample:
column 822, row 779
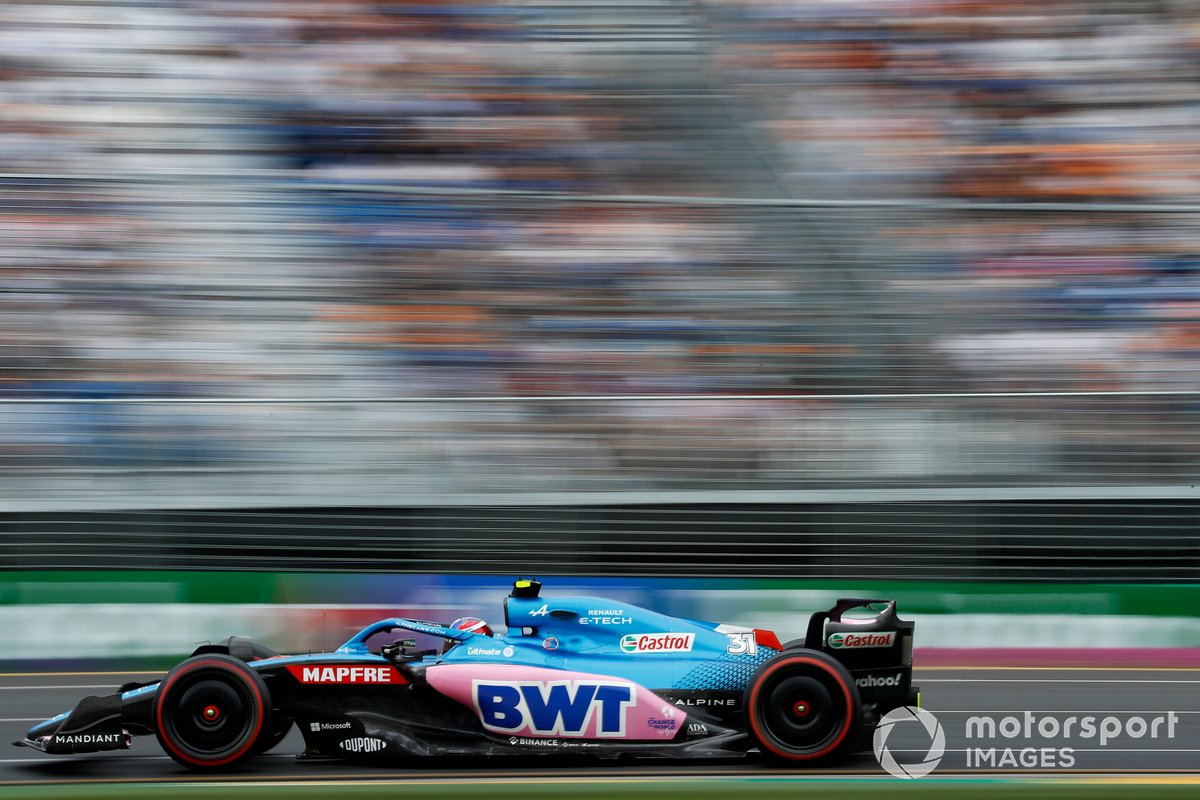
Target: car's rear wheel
column 801, row 706
column 212, row 712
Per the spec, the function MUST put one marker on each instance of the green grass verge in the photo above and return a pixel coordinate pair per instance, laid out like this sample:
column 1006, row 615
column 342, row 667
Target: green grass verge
column 583, row 789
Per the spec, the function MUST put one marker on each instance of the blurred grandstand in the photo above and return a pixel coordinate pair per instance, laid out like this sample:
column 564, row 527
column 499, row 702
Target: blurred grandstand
column 580, row 254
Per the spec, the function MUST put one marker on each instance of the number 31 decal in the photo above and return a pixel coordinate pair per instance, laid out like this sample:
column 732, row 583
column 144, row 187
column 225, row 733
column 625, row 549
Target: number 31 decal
column 742, row 644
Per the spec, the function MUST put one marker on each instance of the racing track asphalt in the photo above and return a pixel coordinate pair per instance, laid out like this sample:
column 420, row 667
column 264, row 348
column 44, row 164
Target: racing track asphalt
column 953, row 694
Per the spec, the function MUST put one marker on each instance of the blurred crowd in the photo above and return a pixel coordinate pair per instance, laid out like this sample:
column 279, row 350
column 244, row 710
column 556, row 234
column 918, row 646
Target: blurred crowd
column 314, row 200
column 1021, row 101
column 273, row 265
column 998, row 100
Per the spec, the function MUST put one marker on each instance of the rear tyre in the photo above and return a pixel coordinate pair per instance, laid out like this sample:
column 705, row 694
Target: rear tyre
column 801, row 707
column 213, row 712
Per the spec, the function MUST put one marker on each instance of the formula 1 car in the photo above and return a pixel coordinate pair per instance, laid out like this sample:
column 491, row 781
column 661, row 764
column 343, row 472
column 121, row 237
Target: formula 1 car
column 576, row 675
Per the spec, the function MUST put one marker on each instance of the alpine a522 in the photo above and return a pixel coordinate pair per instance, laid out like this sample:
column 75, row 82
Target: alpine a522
column 573, row 675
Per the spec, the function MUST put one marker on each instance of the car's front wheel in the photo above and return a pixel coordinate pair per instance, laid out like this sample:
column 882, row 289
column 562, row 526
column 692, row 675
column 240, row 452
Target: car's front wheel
column 211, row 712
column 801, row 706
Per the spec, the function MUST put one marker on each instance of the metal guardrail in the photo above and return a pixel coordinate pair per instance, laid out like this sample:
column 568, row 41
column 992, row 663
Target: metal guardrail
column 1099, row 541
column 302, row 182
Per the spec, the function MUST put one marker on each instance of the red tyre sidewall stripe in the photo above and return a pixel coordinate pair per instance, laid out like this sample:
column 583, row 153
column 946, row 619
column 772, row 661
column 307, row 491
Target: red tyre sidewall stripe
column 165, row 738
column 752, row 716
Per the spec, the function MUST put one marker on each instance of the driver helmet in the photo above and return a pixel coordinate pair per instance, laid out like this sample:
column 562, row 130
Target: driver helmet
column 469, row 624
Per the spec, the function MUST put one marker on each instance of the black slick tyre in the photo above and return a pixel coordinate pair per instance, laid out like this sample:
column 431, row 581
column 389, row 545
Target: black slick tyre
column 212, row 712
column 801, row 707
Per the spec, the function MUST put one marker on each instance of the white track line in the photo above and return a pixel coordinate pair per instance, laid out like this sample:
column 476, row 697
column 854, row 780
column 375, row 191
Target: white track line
column 44, row 759
column 1075, row 711
column 111, row 687
column 919, row 668
column 77, row 674
column 49, row 757
column 1072, row 749
column 922, row 680
column 1048, row 680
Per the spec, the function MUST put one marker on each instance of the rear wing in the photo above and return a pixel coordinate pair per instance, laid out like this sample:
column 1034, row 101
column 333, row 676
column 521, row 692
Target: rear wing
column 877, row 650
column 882, row 638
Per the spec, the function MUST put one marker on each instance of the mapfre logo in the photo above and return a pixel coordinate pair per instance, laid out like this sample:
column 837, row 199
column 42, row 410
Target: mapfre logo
column 846, row 641
column 657, row 642
column 347, row 673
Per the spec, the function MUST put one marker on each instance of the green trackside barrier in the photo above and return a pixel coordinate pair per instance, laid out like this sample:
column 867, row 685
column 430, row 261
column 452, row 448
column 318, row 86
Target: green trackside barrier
column 136, row 587
column 629, row 788
column 40, row 587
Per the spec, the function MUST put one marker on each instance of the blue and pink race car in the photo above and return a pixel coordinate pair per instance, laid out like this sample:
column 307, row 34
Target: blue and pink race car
column 573, row 675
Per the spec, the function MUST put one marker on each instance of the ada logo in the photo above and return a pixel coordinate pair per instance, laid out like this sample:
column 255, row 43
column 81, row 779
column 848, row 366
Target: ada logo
column 657, row 642
column 363, row 744
column 347, row 673
column 846, row 641
column 553, row 708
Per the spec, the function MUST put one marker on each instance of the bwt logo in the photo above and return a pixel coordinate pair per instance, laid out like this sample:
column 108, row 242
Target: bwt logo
column 553, row 708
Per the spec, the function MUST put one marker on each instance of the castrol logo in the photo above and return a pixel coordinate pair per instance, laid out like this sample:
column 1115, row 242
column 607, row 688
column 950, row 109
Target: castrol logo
column 847, row 641
column 658, row 642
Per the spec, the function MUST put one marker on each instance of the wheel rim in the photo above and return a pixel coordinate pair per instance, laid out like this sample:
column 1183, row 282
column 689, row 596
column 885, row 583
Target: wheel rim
column 802, row 713
column 210, row 715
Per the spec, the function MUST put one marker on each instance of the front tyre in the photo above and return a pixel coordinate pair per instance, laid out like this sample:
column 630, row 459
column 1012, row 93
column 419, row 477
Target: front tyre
column 801, row 706
column 211, row 712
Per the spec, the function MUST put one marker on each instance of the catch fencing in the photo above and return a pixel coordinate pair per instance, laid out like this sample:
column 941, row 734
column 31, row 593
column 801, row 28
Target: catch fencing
column 237, row 370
